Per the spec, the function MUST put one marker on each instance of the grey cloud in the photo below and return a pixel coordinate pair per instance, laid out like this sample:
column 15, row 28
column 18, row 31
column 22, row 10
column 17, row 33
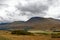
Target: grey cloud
column 34, row 9
column 2, row 1
column 2, row 4
column 30, row 9
column 52, row 2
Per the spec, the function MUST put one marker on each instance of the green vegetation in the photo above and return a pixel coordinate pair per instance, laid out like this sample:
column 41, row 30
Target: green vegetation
column 55, row 35
column 21, row 32
column 43, row 33
column 24, row 32
column 39, row 32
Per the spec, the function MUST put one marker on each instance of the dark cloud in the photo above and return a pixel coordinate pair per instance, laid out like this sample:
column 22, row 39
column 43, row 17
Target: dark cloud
column 33, row 8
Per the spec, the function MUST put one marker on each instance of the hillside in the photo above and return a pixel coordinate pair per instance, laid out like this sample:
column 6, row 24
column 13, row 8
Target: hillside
column 37, row 23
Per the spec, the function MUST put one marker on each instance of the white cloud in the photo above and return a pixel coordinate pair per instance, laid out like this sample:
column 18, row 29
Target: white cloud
column 22, row 10
column 54, row 9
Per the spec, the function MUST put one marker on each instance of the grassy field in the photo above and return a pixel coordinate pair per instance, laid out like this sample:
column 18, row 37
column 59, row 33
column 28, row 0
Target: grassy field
column 6, row 35
column 3, row 38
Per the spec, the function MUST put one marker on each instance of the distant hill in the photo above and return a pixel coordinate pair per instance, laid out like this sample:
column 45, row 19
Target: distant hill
column 37, row 23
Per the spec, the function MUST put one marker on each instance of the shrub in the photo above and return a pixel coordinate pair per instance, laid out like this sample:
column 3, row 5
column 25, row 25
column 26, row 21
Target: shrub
column 21, row 32
column 55, row 35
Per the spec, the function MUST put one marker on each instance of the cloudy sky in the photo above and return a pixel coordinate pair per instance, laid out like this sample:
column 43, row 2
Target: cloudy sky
column 22, row 10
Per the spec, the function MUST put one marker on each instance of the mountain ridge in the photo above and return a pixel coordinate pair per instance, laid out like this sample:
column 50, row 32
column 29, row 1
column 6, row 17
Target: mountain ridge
column 36, row 23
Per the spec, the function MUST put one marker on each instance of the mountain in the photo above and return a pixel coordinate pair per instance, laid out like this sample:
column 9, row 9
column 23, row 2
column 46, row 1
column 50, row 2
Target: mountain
column 35, row 23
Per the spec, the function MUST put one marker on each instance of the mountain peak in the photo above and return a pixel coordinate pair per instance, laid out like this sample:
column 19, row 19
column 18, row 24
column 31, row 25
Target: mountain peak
column 37, row 18
column 34, row 19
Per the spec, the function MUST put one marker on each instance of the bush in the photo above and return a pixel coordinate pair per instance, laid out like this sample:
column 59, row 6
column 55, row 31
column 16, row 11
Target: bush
column 55, row 35
column 21, row 32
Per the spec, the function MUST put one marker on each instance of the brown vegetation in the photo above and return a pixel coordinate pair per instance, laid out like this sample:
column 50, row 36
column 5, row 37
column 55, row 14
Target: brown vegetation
column 8, row 35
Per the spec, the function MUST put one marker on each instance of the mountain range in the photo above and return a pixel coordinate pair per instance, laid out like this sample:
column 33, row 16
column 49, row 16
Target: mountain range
column 35, row 23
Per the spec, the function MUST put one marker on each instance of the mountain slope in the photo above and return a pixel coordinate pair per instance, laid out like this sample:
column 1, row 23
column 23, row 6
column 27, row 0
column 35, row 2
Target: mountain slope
column 37, row 23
